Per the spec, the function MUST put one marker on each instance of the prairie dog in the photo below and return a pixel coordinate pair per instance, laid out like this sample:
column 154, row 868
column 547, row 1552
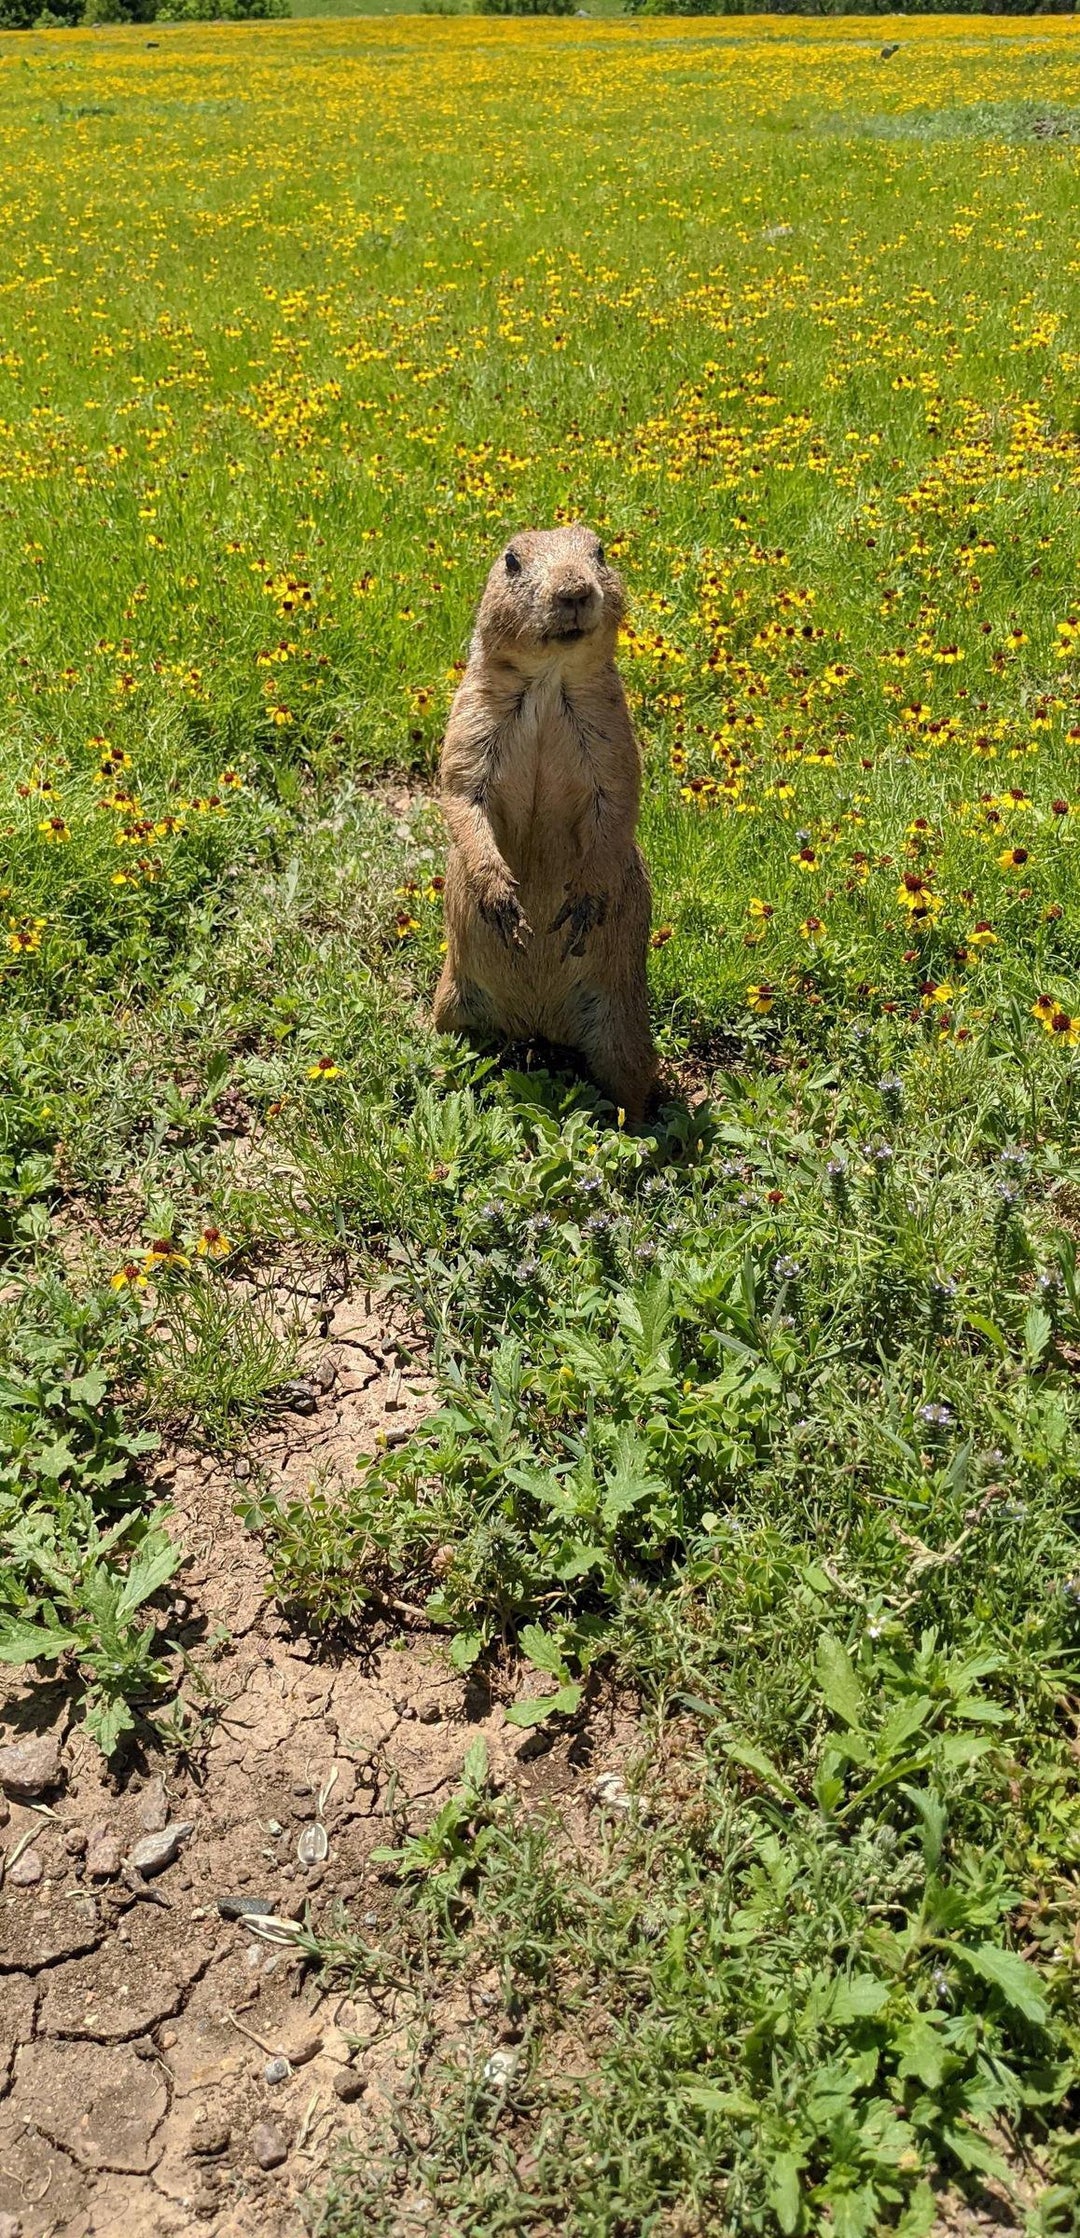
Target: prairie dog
column 547, row 896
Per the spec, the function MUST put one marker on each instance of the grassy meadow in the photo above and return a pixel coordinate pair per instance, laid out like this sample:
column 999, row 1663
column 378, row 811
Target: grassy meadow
column 769, row 1415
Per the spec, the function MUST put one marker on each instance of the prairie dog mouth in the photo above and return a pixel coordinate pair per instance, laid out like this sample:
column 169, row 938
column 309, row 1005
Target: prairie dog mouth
column 567, row 636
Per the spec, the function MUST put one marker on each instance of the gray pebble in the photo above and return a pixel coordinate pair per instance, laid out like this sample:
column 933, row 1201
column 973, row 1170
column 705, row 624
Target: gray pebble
column 155, row 1851
column 244, row 1907
column 276, row 2071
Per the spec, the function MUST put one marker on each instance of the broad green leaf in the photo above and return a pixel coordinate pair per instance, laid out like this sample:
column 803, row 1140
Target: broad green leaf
column 475, row 1767
column 755, row 1760
column 543, row 1652
column 1018, row 1983
column 149, row 1570
column 974, row 2151
column 784, row 2191
column 464, row 1649
column 920, row 2214
column 56, row 1460
column 837, row 1680
column 632, row 1479
column 107, row 1717
column 1038, row 1329
column 905, row 1719
column 859, row 1998
column 932, row 1813
column 89, row 1389
column 563, row 1703
column 23, row 1642
column 922, row 2050
column 734, row 2103
column 987, row 1329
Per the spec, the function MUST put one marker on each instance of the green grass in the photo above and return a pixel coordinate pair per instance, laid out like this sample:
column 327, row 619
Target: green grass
column 768, row 1415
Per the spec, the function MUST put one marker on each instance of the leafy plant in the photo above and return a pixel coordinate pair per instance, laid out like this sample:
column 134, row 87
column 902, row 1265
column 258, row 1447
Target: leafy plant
column 73, row 1592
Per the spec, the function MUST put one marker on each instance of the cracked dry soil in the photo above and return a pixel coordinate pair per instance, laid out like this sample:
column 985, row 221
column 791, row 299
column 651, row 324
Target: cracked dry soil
column 138, row 2026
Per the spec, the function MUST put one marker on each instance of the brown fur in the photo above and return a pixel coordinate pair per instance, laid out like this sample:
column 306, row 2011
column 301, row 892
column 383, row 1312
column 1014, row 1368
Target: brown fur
column 547, row 896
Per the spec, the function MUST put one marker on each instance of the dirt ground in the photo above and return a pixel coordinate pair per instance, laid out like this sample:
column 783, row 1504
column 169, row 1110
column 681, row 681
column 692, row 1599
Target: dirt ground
column 165, row 2069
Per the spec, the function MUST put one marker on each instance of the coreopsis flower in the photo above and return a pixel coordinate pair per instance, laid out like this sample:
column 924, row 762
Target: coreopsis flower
column 164, row 1252
column 128, row 1277
column 213, row 1244
column 24, row 938
column 324, row 1068
column 761, row 999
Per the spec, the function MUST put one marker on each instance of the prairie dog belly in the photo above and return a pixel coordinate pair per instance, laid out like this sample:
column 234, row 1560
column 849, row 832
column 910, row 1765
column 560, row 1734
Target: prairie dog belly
column 543, row 797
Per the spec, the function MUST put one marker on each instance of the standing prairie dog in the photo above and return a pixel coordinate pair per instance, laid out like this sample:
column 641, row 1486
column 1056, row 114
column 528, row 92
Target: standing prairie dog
column 547, row 896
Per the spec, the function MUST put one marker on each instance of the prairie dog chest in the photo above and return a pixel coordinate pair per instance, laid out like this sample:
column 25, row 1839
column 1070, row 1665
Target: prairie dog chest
column 546, row 786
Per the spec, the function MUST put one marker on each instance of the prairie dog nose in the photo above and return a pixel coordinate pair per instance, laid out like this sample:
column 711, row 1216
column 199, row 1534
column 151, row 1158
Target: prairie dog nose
column 573, row 590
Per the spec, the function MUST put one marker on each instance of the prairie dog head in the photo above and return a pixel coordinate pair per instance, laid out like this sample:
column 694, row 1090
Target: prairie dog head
column 550, row 591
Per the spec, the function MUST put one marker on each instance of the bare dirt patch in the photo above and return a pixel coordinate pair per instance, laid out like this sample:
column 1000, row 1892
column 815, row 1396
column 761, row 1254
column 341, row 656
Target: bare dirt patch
column 167, row 2069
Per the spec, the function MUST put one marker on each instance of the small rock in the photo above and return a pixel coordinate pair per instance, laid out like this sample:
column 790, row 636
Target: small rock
column 168, row 2039
column 274, row 1828
column 30, row 1768
column 5, row 1814
column 210, row 2139
column 10, row 2226
column 75, row 1841
column 155, row 1851
column 324, row 1372
column 26, row 1871
column 302, row 1787
column 245, row 1907
column 241, row 1468
column 609, row 1789
column 500, row 2069
column 299, row 2049
column 103, row 1854
column 301, row 1397
column 276, row 2071
column 153, row 1807
column 268, row 2146
column 349, row 2085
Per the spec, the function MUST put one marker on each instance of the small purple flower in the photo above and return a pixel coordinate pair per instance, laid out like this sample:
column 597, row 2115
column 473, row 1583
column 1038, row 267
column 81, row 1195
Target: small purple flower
column 937, row 1416
column 786, row 1270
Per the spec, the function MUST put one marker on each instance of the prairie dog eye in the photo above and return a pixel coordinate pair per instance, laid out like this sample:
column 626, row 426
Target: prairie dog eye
column 513, row 564
column 598, row 556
